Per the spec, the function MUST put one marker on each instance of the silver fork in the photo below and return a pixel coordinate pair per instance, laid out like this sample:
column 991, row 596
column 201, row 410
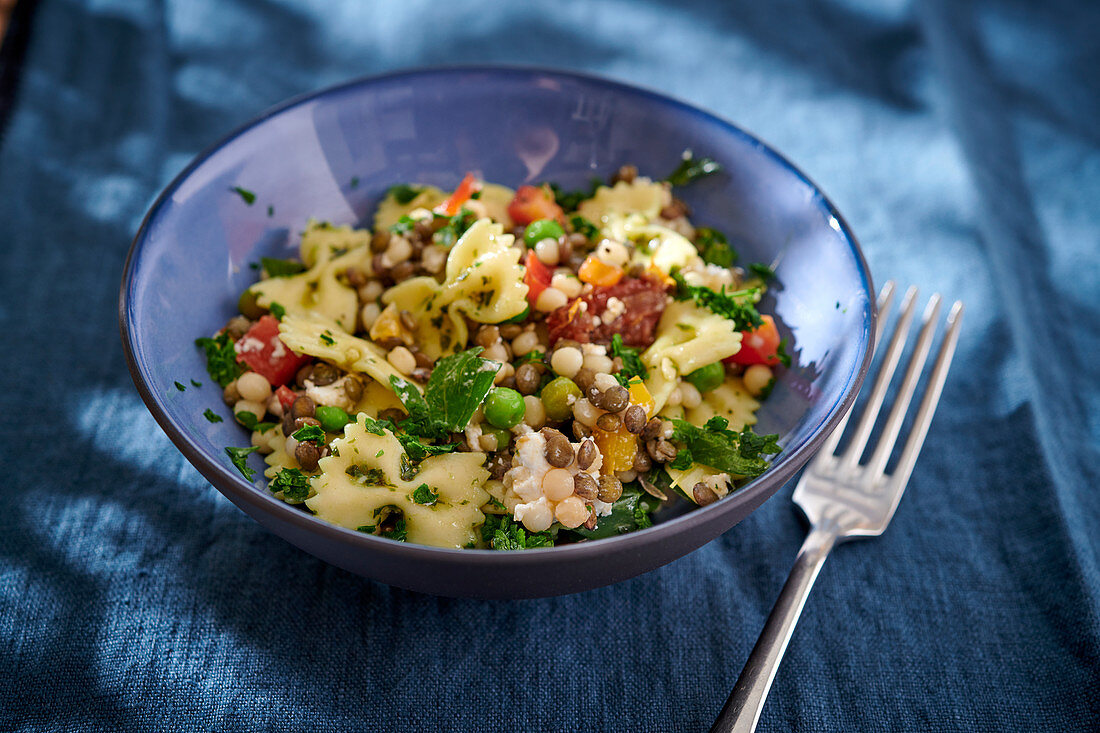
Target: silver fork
column 843, row 499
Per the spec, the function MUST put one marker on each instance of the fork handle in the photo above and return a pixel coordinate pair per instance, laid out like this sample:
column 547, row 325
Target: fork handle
column 742, row 710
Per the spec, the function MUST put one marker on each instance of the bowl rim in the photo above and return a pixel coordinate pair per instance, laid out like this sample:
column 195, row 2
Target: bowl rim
column 242, row 492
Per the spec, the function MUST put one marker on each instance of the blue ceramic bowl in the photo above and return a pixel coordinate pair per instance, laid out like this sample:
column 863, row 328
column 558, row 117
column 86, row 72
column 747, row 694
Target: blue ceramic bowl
column 332, row 154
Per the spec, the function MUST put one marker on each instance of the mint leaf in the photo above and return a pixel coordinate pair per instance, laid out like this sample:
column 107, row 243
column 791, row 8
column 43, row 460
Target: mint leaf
column 762, row 271
column 211, row 416
column 278, row 311
column 250, row 421
column 629, row 512
column 293, row 483
column 418, row 451
column 221, row 358
column 457, row 387
column 309, row 434
column 570, row 200
column 632, row 362
column 237, row 457
column 503, row 534
column 281, row 268
column 180, row 386
column 584, row 226
column 692, row 169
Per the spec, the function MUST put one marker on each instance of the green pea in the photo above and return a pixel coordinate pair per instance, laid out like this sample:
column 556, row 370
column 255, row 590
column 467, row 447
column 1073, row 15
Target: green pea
column 541, row 229
column 332, row 419
column 504, row 408
column 504, row 437
column 706, row 378
column 559, row 396
column 248, row 306
column 521, row 317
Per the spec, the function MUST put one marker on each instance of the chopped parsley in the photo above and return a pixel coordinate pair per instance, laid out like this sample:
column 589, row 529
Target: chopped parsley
column 714, row 248
column 244, row 193
column 629, row 512
column 762, row 271
column 278, row 311
column 418, row 451
column 221, row 358
column 501, row 533
column 380, row 453
column 327, row 339
column 717, row 446
column 570, row 200
column 180, row 386
column 403, row 193
column 456, row 388
column 237, row 456
column 404, row 225
column 211, row 416
column 455, row 227
column 370, row 476
column 375, row 427
column 394, row 530
column 692, row 169
column 251, row 422
column 275, row 267
column 423, row 494
column 196, row 383
column 531, row 356
column 270, row 210
column 355, row 181
column 736, row 306
column 309, row 434
column 293, row 483
column 781, row 353
column 632, row 362
column 583, row 226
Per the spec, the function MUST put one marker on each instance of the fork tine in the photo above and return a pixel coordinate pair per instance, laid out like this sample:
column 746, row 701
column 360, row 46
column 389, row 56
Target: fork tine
column 905, row 393
column 931, row 398
column 852, row 454
column 885, row 300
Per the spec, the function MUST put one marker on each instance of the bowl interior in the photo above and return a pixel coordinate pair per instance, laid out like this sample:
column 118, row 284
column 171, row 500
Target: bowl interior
column 332, row 155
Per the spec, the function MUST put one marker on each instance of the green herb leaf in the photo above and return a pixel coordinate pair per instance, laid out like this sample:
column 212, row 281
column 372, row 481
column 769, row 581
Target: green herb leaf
column 455, row 227
column 403, row 193
column 327, row 339
column 762, row 271
column 632, row 362
column 570, row 200
column 376, row 427
column 244, row 193
column 418, row 451
column 714, row 248
column 281, row 268
column 221, row 359
column 716, row 446
column 396, row 530
column 781, row 353
column 423, row 494
column 355, row 181
column 404, row 225
column 278, row 311
column 212, row 416
column 293, row 483
column 458, row 385
column 737, row 306
column 270, row 210
column 367, row 475
column 251, row 422
column 503, row 534
column 629, row 512
column 195, row 383
column 309, row 434
column 584, row 226
column 692, row 169
column 180, row 386
column 533, row 356
column 237, row 456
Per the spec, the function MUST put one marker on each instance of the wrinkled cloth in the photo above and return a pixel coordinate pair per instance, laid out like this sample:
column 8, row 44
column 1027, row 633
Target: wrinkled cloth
column 961, row 141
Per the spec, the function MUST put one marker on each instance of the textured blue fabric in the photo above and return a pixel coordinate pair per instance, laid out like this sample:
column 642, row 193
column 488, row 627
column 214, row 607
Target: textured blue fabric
column 961, row 141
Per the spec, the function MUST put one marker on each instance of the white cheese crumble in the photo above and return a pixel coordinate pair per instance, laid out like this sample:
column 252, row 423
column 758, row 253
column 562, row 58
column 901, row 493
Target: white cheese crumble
column 615, row 308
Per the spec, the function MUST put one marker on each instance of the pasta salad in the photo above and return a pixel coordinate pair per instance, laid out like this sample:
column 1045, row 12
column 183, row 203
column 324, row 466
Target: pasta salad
column 504, row 369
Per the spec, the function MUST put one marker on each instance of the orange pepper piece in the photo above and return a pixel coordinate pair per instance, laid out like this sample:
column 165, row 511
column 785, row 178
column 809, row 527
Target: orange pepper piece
column 596, row 272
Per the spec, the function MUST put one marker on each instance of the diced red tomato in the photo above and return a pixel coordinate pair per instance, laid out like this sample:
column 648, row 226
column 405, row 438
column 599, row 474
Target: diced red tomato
column 758, row 346
column 286, row 396
column 461, row 195
column 643, row 302
column 262, row 350
column 537, row 278
column 532, row 203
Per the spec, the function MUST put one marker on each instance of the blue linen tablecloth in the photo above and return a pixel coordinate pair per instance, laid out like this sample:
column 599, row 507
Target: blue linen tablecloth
column 961, row 141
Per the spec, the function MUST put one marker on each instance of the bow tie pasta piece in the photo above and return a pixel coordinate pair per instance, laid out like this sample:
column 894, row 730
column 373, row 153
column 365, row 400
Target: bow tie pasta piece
column 495, row 199
column 730, row 400
column 328, row 252
column 688, row 337
column 368, row 476
column 641, row 196
column 314, row 335
column 439, row 330
column 659, row 247
column 483, row 277
column 393, row 207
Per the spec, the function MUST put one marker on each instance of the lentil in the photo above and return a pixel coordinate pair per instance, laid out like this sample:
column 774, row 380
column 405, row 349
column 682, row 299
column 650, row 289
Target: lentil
column 585, row 486
column 408, row 320
column 528, row 378
column 610, row 488
column 642, row 462
column 487, row 336
column 634, row 419
column 703, row 494
column 587, row 454
column 609, row 421
column 324, row 374
column 559, row 452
